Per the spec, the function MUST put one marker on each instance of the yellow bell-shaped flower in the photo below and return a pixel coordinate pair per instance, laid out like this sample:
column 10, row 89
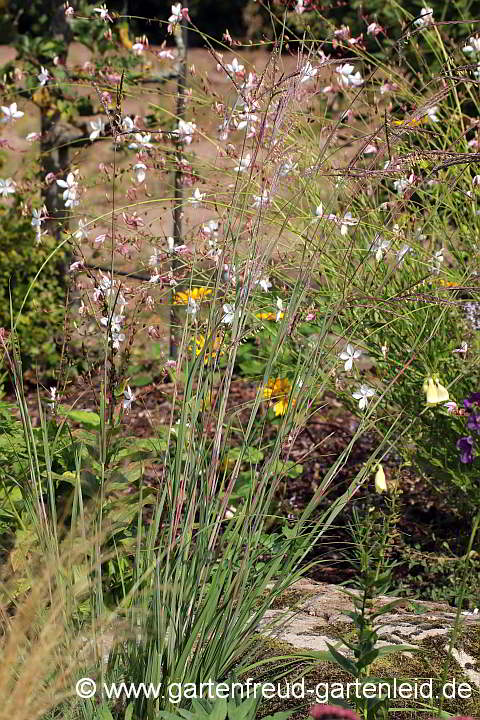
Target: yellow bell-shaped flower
column 380, row 480
column 442, row 392
column 436, row 393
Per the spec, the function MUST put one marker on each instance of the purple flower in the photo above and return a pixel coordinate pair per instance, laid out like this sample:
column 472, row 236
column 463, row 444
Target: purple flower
column 472, row 399
column 465, row 445
column 474, row 423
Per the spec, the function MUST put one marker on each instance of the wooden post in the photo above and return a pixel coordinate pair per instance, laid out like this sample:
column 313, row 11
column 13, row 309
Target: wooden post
column 181, row 37
column 56, row 135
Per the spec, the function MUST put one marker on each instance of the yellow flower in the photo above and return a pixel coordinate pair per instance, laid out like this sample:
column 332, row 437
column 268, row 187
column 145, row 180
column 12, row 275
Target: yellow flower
column 197, row 294
column 200, row 343
column 447, row 283
column 436, row 393
column 281, row 407
column 270, row 316
column 411, row 123
column 278, row 388
column 380, row 480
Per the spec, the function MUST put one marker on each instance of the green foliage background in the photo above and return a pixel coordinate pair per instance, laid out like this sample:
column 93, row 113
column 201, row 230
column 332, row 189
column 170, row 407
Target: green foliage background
column 41, row 320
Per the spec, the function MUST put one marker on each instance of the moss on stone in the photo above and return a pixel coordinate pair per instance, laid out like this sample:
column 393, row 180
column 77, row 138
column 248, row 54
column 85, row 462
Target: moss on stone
column 293, row 664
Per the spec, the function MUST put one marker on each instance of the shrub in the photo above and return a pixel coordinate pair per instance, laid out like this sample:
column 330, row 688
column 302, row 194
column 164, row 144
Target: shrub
column 37, row 302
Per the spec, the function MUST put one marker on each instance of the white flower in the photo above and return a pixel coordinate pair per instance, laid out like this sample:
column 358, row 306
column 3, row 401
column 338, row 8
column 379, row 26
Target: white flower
column 196, row 198
column 319, row 212
column 307, row 72
column 129, row 398
column 115, row 323
column 53, row 398
column 432, row 113
column 356, row 80
column 43, row 76
column 473, row 45
column 346, row 222
column 70, row 191
column 178, row 13
column 287, row 167
column 349, row 355
column 404, row 250
column 426, row 16
column 403, row 183
column 299, row 7
column 103, row 12
column 81, row 233
column 76, row 266
column 374, row 29
column 185, row 131
column 437, row 260
column 11, row 113
column 344, row 71
column 261, row 201
column 33, row 137
column 280, row 309
column 265, row 284
column 7, row 187
column 462, row 349
column 192, row 306
column 378, row 247
column 70, row 185
column 250, row 82
column 370, row 150
column 451, row 406
column 98, row 126
column 229, row 311
column 363, row 393
column 235, row 68
column 247, row 116
column 38, row 216
column 140, row 172
column 243, row 163
column 138, row 48
column 229, row 274
column 69, row 11
column 127, row 124
column 156, row 256
column 117, row 338
column 166, row 54
column 142, row 140
column 347, row 77
column 211, row 228
column 71, row 201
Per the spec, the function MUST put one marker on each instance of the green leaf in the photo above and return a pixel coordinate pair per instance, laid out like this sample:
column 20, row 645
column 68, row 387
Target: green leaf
column 388, row 649
column 344, row 662
column 103, row 713
column 83, row 417
column 287, row 468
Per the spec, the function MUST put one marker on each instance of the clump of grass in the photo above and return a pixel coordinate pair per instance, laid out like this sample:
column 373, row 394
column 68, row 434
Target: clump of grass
column 306, row 258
